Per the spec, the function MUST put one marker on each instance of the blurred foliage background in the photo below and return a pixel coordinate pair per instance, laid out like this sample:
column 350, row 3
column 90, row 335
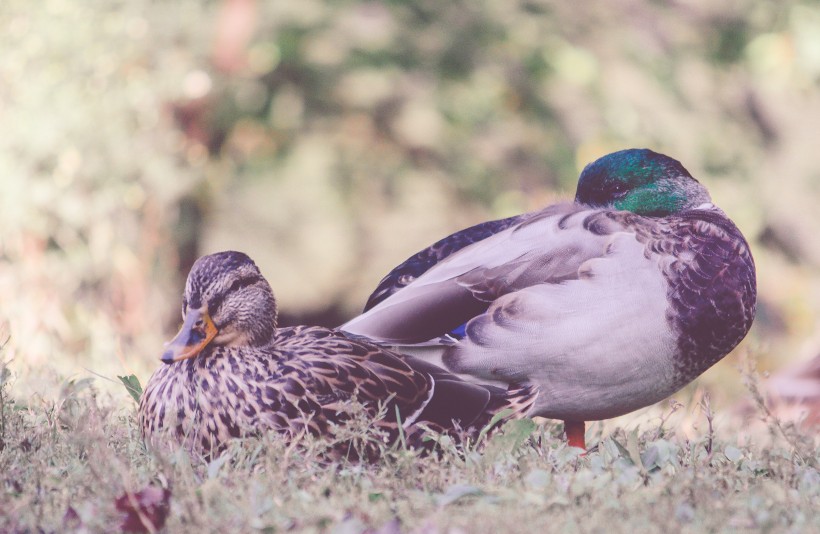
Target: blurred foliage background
column 331, row 140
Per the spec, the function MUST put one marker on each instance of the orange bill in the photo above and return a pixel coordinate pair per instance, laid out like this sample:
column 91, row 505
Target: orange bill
column 197, row 331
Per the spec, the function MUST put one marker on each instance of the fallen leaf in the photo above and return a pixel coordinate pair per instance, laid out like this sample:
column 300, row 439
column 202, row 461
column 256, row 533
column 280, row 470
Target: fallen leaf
column 144, row 511
column 456, row 492
column 71, row 519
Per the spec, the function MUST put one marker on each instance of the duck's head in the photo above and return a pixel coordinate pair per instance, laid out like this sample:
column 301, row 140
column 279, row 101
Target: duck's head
column 227, row 303
column 640, row 181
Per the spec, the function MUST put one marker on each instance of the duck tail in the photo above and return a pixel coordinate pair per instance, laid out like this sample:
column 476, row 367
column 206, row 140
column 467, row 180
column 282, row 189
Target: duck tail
column 516, row 402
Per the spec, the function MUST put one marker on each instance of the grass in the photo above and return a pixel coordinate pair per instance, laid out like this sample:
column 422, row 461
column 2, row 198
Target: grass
column 74, row 462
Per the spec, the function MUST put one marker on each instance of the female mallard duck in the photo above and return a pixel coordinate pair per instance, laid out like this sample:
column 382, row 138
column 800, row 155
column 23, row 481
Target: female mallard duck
column 231, row 372
column 602, row 306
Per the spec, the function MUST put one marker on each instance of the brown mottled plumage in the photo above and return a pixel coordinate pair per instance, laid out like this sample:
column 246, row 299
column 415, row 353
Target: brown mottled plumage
column 231, row 373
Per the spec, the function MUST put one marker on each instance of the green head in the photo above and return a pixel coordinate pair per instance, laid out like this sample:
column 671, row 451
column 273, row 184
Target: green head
column 640, row 181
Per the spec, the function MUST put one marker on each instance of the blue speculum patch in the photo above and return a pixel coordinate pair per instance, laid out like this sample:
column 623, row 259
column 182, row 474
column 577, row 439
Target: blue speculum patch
column 459, row 332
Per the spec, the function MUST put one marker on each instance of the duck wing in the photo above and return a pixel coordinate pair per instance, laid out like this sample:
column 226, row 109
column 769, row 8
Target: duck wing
column 546, row 247
column 421, row 262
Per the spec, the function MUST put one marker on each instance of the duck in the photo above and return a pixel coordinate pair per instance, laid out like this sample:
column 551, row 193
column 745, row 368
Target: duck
column 602, row 305
column 231, row 372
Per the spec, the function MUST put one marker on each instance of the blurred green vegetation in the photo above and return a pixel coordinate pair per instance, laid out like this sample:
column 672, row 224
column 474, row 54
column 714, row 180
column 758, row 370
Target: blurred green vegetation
column 331, row 140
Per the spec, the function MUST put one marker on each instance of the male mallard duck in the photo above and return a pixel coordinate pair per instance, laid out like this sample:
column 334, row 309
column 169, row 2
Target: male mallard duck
column 231, row 372
column 603, row 306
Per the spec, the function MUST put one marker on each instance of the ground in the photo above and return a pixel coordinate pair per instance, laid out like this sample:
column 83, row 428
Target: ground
column 76, row 463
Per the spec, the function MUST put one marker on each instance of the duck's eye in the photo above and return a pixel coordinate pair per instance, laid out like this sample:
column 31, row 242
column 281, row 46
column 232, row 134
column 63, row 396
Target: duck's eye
column 184, row 306
column 243, row 282
column 236, row 285
column 618, row 189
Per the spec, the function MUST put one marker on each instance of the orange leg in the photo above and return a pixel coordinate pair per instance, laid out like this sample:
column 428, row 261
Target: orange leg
column 575, row 433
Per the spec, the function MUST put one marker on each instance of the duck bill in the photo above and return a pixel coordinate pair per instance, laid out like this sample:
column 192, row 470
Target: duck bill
column 197, row 331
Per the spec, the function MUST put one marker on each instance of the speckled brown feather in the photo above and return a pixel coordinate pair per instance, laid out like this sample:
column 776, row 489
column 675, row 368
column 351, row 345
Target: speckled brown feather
column 305, row 381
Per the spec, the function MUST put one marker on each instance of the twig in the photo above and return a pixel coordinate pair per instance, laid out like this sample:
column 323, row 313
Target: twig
column 706, row 407
column 674, row 406
column 752, row 381
column 4, row 375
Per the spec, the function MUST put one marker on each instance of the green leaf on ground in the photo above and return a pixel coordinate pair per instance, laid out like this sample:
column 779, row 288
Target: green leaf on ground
column 513, row 435
column 733, row 454
column 132, row 384
column 632, row 448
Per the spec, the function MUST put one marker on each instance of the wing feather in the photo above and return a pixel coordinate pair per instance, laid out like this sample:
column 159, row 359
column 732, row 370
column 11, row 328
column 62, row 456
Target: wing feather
column 419, row 263
column 546, row 247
